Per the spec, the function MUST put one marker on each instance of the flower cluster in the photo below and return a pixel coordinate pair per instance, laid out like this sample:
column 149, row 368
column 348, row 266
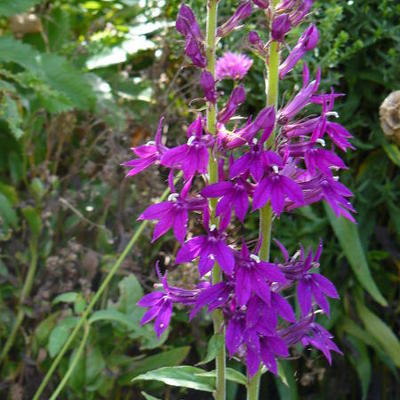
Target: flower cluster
column 298, row 168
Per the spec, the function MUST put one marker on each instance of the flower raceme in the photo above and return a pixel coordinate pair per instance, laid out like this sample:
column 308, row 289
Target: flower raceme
column 283, row 158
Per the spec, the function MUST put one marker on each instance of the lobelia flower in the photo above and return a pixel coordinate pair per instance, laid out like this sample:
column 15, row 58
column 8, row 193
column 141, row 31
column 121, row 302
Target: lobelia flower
column 174, row 212
column 254, row 276
column 264, row 4
column 208, row 84
column 232, row 66
column 210, row 248
column 280, row 27
column 187, row 25
column 308, row 41
column 241, row 13
column 237, row 97
column 298, row 9
column 160, row 304
column 147, row 154
column 191, row 157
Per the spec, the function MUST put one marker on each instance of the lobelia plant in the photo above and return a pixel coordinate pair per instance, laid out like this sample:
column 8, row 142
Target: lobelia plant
column 276, row 162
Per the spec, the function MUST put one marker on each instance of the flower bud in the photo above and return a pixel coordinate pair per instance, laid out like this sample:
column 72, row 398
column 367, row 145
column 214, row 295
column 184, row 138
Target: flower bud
column 264, row 4
column 280, row 27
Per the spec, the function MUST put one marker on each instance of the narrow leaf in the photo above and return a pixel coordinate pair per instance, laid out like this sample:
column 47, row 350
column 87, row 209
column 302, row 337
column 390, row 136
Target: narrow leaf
column 230, row 374
column 214, row 345
column 349, row 239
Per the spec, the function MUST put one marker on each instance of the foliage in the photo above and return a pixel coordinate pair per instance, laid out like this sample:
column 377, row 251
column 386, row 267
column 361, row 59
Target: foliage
column 82, row 88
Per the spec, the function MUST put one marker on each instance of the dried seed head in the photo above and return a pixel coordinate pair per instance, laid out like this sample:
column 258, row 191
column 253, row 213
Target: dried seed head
column 389, row 113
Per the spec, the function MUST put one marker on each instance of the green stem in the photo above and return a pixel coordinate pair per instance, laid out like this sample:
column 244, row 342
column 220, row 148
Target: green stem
column 73, row 365
column 95, row 299
column 218, row 319
column 24, row 295
column 272, row 91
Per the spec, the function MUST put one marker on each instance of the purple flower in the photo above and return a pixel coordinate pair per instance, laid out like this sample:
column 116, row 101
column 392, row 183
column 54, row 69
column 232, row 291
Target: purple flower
column 237, row 97
column 280, row 27
column 234, row 194
column 210, row 248
column 232, row 66
column 160, row 303
column 253, row 275
column 187, row 25
column 208, row 84
column 241, row 13
column 191, row 157
column 148, row 154
column 298, row 9
column 173, row 213
column 264, row 4
column 306, row 42
column 276, row 187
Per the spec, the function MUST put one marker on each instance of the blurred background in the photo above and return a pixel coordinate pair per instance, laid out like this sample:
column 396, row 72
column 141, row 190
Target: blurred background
column 83, row 81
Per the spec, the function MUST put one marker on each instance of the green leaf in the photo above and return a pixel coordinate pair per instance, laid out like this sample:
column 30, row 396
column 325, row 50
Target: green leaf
column 34, row 221
column 214, row 345
column 10, row 113
column 43, row 330
column 111, row 315
column 60, row 334
column 392, row 151
column 349, row 239
column 286, row 383
column 168, row 358
column 184, row 376
column 7, row 212
column 10, row 192
column 230, row 374
column 67, row 297
column 12, row 7
column 148, row 396
column 362, row 364
column 380, row 331
column 79, row 304
column 130, row 293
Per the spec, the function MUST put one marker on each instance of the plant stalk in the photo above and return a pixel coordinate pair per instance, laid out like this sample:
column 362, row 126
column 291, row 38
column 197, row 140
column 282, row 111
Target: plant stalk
column 24, row 295
column 95, row 299
column 218, row 318
column 265, row 226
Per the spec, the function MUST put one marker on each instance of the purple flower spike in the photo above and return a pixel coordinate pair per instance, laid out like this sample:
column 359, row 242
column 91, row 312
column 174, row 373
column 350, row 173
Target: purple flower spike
column 208, row 84
column 306, row 42
column 210, row 248
column 187, row 25
column 241, row 13
column 234, row 194
column 191, row 157
column 232, row 66
column 276, row 187
column 280, row 27
column 237, row 97
column 148, row 154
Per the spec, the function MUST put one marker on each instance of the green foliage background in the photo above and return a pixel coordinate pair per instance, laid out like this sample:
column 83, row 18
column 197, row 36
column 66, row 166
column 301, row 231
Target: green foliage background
column 86, row 82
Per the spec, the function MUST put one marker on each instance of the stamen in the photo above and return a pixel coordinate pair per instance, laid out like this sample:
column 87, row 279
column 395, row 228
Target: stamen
column 191, row 140
column 255, row 140
column 275, row 168
column 151, row 143
column 296, row 255
column 332, row 114
column 255, row 257
column 173, row 196
column 321, row 142
column 213, row 227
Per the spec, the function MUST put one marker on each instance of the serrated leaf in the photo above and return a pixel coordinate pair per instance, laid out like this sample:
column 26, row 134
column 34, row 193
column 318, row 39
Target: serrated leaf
column 230, row 374
column 184, row 376
column 111, row 315
column 380, row 331
column 10, row 113
column 60, row 334
column 13, row 7
column 349, row 239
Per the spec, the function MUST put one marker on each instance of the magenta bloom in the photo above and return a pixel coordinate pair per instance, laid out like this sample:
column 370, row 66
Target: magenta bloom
column 173, row 213
column 280, row 27
column 234, row 194
column 241, row 13
column 147, row 154
column 208, row 84
column 232, row 66
column 237, row 97
column 210, row 248
column 191, row 157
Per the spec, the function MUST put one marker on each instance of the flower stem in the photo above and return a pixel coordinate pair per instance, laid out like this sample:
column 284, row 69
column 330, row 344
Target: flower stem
column 218, row 318
column 24, row 295
column 265, row 226
column 95, row 299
